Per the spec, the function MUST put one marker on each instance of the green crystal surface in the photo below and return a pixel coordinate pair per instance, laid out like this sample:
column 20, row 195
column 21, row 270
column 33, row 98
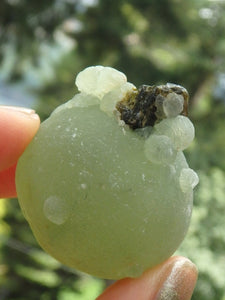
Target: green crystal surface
column 95, row 198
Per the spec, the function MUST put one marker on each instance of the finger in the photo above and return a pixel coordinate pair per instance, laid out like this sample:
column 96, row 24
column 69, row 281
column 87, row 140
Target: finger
column 7, row 183
column 173, row 279
column 17, row 127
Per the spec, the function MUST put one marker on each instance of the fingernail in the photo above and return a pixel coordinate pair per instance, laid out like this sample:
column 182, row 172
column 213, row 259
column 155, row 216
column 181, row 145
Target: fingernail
column 180, row 283
column 27, row 111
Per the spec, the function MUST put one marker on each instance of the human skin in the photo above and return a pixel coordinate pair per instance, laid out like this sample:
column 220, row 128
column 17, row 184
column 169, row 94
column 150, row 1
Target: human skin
column 174, row 279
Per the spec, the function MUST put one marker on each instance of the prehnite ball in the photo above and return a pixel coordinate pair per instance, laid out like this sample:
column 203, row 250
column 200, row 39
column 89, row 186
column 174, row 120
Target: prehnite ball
column 100, row 197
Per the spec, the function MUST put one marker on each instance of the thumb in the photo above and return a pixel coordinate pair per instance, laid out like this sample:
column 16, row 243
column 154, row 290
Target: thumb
column 17, row 128
column 174, row 279
column 18, row 125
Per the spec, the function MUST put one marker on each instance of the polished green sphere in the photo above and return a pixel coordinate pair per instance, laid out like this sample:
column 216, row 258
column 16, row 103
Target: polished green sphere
column 98, row 198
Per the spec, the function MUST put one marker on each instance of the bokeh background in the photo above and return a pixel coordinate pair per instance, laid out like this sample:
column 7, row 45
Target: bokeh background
column 45, row 43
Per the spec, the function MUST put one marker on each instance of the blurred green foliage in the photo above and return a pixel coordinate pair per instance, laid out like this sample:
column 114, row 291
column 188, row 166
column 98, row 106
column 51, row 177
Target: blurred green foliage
column 45, row 44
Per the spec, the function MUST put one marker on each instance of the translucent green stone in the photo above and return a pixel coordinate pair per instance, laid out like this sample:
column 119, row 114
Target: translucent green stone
column 94, row 196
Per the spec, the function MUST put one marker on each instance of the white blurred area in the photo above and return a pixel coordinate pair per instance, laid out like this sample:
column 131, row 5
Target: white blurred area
column 35, row 76
column 22, row 92
column 16, row 95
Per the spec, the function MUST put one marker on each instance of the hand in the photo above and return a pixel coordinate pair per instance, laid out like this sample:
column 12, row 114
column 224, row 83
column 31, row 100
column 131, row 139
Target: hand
column 173, row 279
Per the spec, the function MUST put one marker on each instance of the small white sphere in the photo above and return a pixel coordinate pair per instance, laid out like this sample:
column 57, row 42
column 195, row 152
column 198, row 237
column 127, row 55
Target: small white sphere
column 159, row 149
column 173, row 105
column 56, row 210
column 180, row 130
column 99, row 80
column 188, row 179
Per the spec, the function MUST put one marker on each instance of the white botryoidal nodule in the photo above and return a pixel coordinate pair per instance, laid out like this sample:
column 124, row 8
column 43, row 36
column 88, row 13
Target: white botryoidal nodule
column 179, row 129
column 173, row 105
column 99, row 80
column 188, row 179
column 56, row 210
column 159, row 149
